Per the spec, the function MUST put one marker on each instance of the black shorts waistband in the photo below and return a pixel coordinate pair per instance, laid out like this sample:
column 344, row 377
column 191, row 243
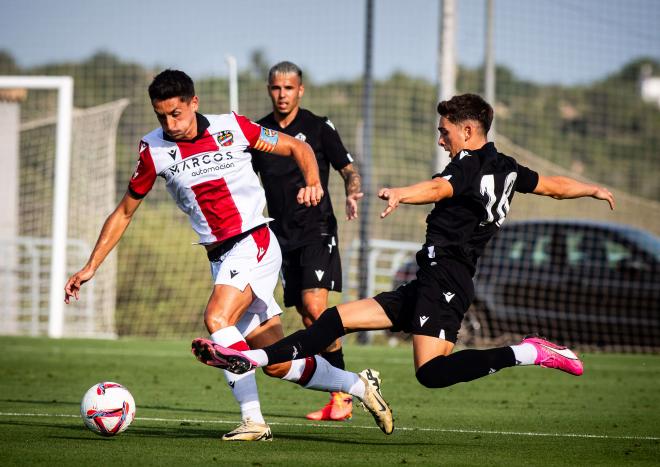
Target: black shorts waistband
column 219, row 251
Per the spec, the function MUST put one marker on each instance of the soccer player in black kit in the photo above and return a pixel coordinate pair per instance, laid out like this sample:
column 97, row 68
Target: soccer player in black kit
column 472, row 197
column 311, row 265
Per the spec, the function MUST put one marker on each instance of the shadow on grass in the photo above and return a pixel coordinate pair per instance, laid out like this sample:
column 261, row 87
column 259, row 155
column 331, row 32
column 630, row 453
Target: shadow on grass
column 140, row 406
column 197, row 432
column 133, row 431
column 324, row 438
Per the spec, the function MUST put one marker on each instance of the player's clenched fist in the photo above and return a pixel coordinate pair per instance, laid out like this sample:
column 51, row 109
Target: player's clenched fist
column 310, row 195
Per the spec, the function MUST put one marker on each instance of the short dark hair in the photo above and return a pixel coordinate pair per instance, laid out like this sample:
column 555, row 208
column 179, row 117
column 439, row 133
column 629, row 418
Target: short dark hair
column 467, row 107
column 172, row 83
column 285, row 68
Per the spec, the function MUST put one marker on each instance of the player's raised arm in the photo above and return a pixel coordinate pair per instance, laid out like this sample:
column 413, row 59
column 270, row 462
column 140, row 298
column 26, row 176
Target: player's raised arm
column 429, row 191
column 113, row 229
column 567, row 188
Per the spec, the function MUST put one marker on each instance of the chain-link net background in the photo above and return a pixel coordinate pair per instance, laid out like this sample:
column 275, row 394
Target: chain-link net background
column 578, row 120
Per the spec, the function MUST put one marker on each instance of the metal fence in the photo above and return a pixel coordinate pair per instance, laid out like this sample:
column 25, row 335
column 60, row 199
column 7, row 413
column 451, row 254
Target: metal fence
column 575, row 93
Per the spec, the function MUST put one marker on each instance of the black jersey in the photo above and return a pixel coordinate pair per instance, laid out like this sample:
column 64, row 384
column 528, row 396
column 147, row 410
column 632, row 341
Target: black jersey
column 296, row 225
column 484, row 182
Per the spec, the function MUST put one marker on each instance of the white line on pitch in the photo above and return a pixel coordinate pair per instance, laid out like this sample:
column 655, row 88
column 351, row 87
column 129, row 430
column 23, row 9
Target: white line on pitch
column 319, row 425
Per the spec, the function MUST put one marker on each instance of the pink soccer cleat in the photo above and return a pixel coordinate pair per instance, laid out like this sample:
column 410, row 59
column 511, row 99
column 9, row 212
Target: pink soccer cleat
column 212, row 354
column 551, row 355
column 339, row 408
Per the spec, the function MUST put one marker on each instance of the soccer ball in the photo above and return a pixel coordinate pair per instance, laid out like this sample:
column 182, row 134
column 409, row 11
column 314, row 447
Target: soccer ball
column 107, row 408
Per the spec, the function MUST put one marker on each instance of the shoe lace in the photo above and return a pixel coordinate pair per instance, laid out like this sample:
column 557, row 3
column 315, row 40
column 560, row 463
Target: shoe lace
column 245, row 424
column 340, row 398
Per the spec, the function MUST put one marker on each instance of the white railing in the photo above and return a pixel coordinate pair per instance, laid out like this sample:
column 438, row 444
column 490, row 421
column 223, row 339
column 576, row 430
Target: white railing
column 385, row 258
column 25, row 292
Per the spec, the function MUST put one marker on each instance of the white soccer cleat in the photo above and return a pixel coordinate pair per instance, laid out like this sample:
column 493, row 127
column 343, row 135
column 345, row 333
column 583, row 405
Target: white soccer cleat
column 373, row 401
column 249, row 431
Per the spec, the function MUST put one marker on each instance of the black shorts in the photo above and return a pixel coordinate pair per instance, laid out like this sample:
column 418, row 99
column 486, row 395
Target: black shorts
column 313, row 266
column 435, row 302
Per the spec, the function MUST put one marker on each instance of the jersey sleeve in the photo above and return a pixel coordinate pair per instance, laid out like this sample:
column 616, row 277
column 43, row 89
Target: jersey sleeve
column 145, row 174
column 527, row 180
column 259, row 137
column 460, row 172
column 333, row 147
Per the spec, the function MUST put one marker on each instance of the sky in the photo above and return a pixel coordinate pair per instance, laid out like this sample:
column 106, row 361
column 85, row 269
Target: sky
column 559, row 41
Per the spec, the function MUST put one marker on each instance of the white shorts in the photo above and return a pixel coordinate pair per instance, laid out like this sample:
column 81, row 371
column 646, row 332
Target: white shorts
column 254, row 260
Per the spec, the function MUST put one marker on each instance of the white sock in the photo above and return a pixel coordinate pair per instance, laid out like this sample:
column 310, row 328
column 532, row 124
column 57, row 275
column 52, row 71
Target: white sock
column 296, row 370
column 331, row 379
column 243, row 387
column 525, row 354
column 257, row 355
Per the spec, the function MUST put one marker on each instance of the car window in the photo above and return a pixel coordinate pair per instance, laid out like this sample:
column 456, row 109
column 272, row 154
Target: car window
column 596, row 249
column 530, row 246
column 516, row 250
column 617, row 252
column 541, row 254
column 585, row 247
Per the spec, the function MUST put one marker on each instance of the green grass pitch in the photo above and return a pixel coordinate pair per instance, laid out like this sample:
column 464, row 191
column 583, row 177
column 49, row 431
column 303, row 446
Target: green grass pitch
column 522, row 416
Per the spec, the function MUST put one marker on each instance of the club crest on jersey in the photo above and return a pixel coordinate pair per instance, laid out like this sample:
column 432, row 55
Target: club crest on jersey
column 301, row 137
column 225, row 138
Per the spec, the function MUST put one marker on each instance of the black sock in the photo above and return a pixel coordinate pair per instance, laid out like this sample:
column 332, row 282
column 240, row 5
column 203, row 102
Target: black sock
column 335, row 358
column 464, row 366
column 311, row 341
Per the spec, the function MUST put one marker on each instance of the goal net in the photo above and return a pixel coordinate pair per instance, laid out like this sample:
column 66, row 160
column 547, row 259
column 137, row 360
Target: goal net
column 26, row 249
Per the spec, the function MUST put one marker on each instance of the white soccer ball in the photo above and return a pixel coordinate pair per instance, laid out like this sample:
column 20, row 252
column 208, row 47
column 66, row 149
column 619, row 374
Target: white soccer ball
column 107, row 408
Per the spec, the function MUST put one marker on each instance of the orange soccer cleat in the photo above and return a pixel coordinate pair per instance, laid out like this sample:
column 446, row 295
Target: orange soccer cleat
column 340, row 407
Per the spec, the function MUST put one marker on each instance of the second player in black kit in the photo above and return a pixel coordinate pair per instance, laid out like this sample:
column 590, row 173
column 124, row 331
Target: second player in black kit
column 472, row 198
column 311, row 266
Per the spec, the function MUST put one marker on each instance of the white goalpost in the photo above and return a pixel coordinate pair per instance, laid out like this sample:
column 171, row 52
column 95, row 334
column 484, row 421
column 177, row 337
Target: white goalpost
column 60, row 186
column 64, row 87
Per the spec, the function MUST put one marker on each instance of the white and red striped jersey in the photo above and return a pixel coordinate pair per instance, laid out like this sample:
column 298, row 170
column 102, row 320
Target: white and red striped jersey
column 210, row 177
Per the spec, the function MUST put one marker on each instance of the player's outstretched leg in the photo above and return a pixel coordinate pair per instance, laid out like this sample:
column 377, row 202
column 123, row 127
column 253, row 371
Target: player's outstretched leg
column 373, row 401
column 212, row 354
column 550, row 355
column 249, row 431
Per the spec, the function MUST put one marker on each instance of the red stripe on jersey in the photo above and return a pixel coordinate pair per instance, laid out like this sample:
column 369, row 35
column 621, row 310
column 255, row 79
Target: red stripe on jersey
column 250, row 129
column 261, row 238
column 218, row 207
column 204, row 144
column 145, row 173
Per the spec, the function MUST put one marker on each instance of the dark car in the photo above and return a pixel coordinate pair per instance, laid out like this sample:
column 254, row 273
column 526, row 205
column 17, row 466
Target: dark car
column 574, row 281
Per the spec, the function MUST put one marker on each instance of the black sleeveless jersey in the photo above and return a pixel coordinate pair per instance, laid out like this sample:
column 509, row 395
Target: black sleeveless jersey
column 296, row 225
column 484, row 182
